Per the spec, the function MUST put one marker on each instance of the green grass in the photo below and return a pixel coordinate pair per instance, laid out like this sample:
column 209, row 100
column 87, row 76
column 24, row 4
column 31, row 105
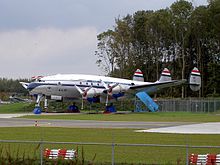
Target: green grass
column 103, row 153
column 158, row 116
column 125, row 154
column 15, row 108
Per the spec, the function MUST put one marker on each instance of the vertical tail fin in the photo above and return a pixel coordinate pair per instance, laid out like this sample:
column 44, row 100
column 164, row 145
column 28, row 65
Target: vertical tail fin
column 138, row 75
column 165, row 75
column 195, row 79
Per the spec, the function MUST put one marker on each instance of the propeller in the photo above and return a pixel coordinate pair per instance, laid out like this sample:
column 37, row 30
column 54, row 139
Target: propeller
column 83, row 93
column 108, row 90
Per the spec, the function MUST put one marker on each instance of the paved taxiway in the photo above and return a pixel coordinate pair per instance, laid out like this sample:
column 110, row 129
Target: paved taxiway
column 7, row 120
column 20, row 122
column 202, row 128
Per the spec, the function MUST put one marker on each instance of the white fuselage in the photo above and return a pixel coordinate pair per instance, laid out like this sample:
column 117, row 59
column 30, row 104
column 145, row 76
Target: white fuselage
column 66, row 86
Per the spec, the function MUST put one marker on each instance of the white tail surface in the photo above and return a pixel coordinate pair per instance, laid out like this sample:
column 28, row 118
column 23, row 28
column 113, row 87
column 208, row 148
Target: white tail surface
column 138, row 75
column 165, row 75
column 195, row 79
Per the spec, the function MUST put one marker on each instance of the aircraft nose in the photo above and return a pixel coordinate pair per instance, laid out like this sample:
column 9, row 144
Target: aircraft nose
column 24, row 84
column 31, row 86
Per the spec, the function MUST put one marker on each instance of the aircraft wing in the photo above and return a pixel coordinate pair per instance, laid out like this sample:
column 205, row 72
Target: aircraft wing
column 154, row 87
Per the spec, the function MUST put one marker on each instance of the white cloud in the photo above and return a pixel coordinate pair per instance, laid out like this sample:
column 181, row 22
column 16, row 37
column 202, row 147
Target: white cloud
column 24, row 53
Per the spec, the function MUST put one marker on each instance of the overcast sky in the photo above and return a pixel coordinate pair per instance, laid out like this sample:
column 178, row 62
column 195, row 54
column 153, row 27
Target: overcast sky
column 44, row 37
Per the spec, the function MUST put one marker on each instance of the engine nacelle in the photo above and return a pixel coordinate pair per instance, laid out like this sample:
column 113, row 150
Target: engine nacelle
column 93, row 99
column 92, row 92
column 118, row 89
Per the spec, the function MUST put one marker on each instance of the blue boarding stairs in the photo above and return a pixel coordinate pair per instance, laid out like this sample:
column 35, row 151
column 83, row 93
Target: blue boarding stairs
column 145, row 99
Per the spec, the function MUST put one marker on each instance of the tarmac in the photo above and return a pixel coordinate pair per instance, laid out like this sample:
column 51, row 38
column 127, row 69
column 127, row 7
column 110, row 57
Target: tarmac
column 7, row 116
column 202, row 128
column 10, row 120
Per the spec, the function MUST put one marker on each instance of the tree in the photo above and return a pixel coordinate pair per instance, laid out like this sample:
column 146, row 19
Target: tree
column 179, row 37
column 106, row 55
column 181, row 13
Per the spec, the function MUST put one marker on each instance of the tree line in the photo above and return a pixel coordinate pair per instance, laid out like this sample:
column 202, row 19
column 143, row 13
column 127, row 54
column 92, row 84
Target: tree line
column 10, row 87
column 179, row 38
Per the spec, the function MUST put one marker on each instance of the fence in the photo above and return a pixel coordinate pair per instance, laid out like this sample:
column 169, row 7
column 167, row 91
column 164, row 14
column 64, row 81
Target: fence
column 116, row 152
column 189, row 105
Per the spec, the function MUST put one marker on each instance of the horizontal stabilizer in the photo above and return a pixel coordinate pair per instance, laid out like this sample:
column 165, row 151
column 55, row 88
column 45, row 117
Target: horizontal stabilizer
column 153, row 87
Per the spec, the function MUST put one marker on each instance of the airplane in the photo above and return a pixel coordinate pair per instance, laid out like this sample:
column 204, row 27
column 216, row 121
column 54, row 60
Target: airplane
column 101, row 89
column 4, row 102
column 15, row 99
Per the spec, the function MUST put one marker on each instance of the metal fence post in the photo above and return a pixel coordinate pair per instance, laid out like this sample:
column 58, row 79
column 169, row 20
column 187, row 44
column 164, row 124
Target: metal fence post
column 215, row 109
column 113, row 153
column 187, row 154
column 41, row 152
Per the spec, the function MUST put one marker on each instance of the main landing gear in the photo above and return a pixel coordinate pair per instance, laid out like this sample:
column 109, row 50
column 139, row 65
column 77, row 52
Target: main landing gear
column 110, row 109
column 38, row 109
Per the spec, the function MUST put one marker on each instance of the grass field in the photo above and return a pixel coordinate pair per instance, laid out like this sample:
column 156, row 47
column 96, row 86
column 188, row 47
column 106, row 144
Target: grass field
column 15, row 108
column 158, row 116
column 103, row 153
column 125, row 154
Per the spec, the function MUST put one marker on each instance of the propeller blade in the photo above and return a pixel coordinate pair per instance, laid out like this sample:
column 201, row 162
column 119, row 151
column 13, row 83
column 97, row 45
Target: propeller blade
column 80, row 90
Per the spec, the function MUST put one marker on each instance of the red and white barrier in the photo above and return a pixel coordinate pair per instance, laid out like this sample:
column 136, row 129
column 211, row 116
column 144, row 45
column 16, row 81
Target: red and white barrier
column 60, row 153
column 207, row 159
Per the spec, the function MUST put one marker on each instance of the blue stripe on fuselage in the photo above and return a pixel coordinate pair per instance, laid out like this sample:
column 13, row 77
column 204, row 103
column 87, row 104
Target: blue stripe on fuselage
column 32, row 86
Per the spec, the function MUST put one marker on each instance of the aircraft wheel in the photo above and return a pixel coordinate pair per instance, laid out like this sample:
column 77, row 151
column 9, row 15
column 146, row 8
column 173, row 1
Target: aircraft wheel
column 37, row 110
